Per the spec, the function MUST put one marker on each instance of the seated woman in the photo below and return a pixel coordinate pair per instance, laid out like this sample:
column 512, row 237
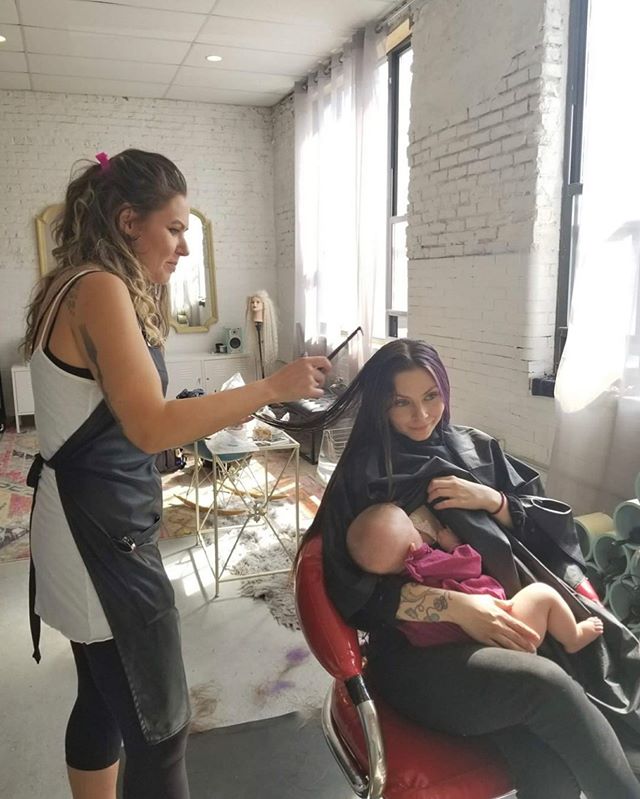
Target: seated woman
column 384, row 540
column 403, row 449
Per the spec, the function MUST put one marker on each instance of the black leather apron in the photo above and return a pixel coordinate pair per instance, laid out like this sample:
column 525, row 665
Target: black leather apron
column 112, row 499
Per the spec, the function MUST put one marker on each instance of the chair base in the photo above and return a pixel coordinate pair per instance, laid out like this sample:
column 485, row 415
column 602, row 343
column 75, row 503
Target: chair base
column 448, row 767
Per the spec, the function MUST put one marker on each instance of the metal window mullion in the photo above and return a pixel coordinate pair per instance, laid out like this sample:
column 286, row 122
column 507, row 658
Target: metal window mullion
column 572, row 167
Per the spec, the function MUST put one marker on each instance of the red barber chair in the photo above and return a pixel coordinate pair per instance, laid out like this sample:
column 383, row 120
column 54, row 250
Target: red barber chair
column 381, row 753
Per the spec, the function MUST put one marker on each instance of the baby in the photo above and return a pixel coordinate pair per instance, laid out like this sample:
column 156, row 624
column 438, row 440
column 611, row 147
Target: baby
column 384, row 540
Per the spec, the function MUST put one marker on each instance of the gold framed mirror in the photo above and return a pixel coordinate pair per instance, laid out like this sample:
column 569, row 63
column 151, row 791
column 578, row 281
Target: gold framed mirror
column 193, row 300
column 44, row 236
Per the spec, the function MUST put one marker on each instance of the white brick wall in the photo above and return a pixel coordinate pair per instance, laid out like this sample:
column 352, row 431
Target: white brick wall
column 486, row 154
column 226, row 153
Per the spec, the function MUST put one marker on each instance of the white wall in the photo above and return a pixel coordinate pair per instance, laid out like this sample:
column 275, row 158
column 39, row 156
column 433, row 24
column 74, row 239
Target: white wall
column 225, row 152
column 486, row 153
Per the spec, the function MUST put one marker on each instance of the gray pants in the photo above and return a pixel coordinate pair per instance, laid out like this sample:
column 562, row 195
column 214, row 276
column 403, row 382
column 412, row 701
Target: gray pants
column 555, row 741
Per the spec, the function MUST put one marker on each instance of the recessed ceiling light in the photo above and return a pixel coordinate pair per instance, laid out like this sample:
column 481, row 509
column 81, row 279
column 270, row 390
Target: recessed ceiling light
column 3, row 38
column 214, row 58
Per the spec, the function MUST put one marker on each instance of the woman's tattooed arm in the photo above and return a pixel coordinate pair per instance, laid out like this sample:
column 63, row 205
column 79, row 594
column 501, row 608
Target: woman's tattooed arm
column 92, row 354
column 421, row 603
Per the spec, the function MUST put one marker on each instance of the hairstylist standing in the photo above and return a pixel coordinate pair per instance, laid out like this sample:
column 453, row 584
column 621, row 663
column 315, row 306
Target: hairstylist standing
column 95, row 330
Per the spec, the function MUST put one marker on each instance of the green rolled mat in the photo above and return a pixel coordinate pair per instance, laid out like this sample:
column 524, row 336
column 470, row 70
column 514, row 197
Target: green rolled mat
column 623, row 598
column 633, row 560
column 626, row 518
column 589, row 528
column 595, row 578
column 609, row 556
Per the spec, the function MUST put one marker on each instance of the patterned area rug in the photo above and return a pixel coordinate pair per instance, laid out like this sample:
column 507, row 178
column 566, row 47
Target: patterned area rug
column 17, row 451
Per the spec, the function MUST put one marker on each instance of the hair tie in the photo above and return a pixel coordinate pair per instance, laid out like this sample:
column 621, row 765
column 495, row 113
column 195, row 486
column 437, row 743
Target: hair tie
column 103, row 160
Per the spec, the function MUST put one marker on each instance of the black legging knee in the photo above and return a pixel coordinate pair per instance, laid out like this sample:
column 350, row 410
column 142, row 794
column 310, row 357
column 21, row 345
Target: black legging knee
column 104, row 717
column 476, row 690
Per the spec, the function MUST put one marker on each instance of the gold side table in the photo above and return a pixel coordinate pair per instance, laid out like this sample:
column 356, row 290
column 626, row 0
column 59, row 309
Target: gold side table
column 234, row 473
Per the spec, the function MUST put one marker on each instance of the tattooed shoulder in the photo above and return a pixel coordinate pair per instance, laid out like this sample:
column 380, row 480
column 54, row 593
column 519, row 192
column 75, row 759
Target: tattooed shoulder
column 72, row 298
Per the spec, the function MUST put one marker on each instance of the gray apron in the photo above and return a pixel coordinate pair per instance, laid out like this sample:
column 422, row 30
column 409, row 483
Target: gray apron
column 111, row 495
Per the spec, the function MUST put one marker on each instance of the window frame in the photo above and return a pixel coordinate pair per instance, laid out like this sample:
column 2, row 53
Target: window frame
column 572, row 168
column 393, row 316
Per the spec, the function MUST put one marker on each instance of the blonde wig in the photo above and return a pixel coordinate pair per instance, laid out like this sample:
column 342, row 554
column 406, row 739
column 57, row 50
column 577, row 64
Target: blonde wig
column 268, row 332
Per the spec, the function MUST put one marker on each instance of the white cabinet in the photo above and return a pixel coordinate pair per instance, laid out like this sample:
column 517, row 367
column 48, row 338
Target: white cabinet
column 206, row 370
column 22, row 392
column 183, row 374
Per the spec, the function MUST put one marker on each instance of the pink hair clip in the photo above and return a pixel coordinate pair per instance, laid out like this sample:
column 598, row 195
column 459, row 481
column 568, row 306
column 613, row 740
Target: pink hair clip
column 103, row 160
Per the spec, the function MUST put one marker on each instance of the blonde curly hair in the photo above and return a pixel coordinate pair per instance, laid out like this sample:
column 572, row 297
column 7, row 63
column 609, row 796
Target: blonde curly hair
column 87, row 232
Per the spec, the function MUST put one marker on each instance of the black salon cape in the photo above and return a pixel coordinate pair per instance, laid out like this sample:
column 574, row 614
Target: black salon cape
column 542, row 546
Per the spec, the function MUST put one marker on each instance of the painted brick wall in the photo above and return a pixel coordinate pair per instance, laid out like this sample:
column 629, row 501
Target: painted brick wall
column 486, row 153
column 226, row 153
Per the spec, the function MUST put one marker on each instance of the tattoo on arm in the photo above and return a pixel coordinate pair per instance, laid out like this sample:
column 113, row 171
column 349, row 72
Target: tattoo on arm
column 71, row 298
column 92, row 353
column 420, row 603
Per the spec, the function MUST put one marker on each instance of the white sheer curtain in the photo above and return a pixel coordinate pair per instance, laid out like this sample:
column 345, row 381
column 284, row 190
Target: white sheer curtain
column 596, row 453
column 341, row 195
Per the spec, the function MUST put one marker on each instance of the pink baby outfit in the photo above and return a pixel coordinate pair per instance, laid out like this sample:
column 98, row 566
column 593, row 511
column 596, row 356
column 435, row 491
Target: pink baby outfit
column 460, row 570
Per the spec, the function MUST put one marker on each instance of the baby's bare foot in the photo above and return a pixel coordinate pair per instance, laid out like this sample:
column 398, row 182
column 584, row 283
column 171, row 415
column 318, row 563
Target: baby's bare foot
column 587, row 631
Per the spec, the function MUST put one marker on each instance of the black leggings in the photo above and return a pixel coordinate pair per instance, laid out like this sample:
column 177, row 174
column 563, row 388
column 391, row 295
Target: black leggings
column 104, row 717
column 554, row 740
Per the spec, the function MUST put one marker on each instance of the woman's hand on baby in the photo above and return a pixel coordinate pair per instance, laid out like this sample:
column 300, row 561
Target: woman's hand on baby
column 302, row 378
column 454, row 492
column 489, row 621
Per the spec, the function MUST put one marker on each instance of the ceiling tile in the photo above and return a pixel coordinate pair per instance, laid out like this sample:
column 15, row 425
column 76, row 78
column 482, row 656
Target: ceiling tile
column 118, row 88
column 250, row 60
column 14, row 39
column 193, row 6
column 101, row 68
column 229, row 79
column 13, row 62
column 93, row 45
column 203, row 95
column 335, row 14
column 98, row 17
column 8, row 12
column 270, row 36
column 14, row 80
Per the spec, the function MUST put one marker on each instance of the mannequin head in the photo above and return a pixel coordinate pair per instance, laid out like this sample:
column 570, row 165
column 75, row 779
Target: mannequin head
column 260, row 309
column 256, row 304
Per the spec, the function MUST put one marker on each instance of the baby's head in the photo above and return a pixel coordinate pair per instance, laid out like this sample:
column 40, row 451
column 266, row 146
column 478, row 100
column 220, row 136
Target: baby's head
column 379, row 539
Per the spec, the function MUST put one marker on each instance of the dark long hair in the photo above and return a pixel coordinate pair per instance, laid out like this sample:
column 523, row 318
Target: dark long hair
column 369, row 397
column 87, row 232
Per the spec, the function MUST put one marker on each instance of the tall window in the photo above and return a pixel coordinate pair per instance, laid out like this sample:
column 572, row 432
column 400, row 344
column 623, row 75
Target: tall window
column 400, row 61
column 572, row 169
column 599, row 202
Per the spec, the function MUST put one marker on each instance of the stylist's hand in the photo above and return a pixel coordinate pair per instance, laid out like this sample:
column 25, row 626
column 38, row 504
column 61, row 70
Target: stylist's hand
column 303, row 377
column 454, row 492
column 489, row 621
